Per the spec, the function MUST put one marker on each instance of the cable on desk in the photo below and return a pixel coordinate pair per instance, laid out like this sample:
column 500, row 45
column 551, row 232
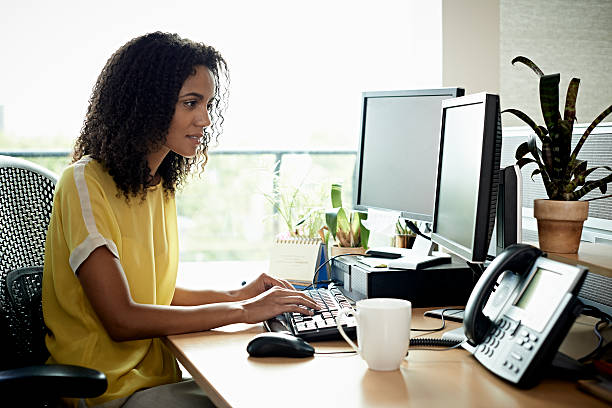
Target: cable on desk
column 451, row 344
column 316, row 274
column 335, row 352
column 604, row 320
column 428, row 341
column 423, row 344
column 436, row 342
column 450, row 309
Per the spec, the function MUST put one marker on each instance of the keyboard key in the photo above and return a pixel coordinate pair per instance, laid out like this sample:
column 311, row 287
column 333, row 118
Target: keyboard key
column 322, row 323
column 310, row 325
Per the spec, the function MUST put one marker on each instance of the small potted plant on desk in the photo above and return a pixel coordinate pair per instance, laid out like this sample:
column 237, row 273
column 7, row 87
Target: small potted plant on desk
column 404, row 237
column 345, row 226
column 561, row 216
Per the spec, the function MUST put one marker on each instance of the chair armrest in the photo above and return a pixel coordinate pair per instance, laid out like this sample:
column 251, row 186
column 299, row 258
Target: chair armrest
column 53, row 380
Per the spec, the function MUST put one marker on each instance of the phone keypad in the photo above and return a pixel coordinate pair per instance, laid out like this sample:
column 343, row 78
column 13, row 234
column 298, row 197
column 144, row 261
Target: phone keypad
column 526, row 339
column 492, row 341
column 524, row 345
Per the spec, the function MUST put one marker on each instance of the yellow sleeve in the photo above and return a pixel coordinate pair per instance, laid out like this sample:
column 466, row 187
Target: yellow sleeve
column 87, row 219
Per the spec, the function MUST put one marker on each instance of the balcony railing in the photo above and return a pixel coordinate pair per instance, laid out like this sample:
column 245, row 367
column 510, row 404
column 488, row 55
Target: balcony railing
column 278, row 154
column 222, row 216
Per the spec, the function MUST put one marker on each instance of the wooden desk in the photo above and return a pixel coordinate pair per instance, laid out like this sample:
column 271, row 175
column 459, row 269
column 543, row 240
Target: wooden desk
column 218, row 361
column 596, row 257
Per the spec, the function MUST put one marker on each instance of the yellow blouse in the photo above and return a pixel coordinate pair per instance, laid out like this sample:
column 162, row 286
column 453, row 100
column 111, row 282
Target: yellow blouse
column 87, row 213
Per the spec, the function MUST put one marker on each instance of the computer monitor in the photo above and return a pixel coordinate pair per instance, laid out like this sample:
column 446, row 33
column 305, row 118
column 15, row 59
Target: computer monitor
column 398, row 150
column 468, row 175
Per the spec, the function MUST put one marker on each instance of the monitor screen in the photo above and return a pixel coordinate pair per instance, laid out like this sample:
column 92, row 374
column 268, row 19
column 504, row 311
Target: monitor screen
column 468, row 175
column 400, row 134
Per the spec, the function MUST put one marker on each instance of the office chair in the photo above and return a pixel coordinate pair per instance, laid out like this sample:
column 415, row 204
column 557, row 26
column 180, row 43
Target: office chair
column 26, row 198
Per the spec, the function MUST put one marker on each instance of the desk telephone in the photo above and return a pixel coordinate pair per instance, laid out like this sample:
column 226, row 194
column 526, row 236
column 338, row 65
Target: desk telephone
column 520, row 311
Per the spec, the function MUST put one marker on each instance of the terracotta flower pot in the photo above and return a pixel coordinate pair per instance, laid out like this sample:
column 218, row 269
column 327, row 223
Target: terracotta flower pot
column 560, row 224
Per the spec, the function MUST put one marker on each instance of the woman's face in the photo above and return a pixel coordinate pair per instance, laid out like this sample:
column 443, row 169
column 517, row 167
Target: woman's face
column 191, row 113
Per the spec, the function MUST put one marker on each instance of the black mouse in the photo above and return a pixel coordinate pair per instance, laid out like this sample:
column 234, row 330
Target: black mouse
column 278, row 344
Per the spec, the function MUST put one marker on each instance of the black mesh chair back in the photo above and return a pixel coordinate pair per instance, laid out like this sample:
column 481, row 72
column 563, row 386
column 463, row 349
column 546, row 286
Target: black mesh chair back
column 21, row 305
column 26, row 198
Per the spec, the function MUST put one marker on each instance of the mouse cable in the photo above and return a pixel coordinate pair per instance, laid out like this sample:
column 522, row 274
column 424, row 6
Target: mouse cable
column 335, row 352
column 316, row 274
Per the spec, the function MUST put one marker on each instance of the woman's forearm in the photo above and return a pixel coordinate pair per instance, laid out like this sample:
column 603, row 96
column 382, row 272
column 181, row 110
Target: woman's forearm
column 140, row 321
column 104, row 283
column 194, row 297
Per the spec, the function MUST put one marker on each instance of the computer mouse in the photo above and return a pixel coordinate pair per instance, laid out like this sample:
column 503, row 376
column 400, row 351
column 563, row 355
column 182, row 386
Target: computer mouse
column 278, row 344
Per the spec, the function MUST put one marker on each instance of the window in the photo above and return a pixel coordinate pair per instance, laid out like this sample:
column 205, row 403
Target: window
column 297, row 72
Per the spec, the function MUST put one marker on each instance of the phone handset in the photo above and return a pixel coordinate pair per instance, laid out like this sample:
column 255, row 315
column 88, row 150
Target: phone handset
column 516, row 259
column 507, row 282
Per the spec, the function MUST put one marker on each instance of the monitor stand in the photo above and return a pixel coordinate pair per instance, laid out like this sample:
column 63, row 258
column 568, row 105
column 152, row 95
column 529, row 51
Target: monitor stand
column 419, row 257
column 508, row 220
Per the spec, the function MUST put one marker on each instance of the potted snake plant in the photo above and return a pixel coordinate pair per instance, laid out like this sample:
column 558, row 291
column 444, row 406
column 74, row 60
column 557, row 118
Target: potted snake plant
column 560, row 217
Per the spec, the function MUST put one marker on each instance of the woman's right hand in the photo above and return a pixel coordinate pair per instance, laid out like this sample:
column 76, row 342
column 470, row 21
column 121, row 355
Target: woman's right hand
column 275, row 301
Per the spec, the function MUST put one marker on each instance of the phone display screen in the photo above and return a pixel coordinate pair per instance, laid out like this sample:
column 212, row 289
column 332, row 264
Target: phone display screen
column 543, row 293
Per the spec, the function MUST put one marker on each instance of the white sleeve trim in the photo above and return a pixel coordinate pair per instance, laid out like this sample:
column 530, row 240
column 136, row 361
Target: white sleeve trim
column 83, row 191
column 93, row 241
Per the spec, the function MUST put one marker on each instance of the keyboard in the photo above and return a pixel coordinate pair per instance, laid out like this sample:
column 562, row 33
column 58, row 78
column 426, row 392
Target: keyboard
column 321, row 325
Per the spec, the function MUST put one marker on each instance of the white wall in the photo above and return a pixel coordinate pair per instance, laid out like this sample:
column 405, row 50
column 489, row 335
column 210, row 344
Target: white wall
column 470, row 45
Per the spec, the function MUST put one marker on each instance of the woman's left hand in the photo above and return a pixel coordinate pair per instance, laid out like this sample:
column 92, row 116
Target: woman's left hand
column 261, row 284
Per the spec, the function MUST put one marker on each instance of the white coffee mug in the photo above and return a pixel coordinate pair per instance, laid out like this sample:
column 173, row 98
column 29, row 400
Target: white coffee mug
column 383, row 331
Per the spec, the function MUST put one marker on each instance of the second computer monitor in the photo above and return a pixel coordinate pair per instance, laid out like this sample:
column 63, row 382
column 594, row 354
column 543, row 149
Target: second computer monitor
column 468, row 175
column 398, row 150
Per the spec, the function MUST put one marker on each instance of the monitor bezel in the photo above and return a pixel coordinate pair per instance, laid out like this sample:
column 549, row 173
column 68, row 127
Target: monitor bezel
column 451, row 92
column 490, row 157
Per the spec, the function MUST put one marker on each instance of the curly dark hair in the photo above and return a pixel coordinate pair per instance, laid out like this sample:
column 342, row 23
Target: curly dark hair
column 132, row 105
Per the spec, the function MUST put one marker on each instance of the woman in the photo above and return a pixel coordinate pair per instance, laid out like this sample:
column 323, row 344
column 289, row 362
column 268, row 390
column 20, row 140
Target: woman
column 111, row 255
